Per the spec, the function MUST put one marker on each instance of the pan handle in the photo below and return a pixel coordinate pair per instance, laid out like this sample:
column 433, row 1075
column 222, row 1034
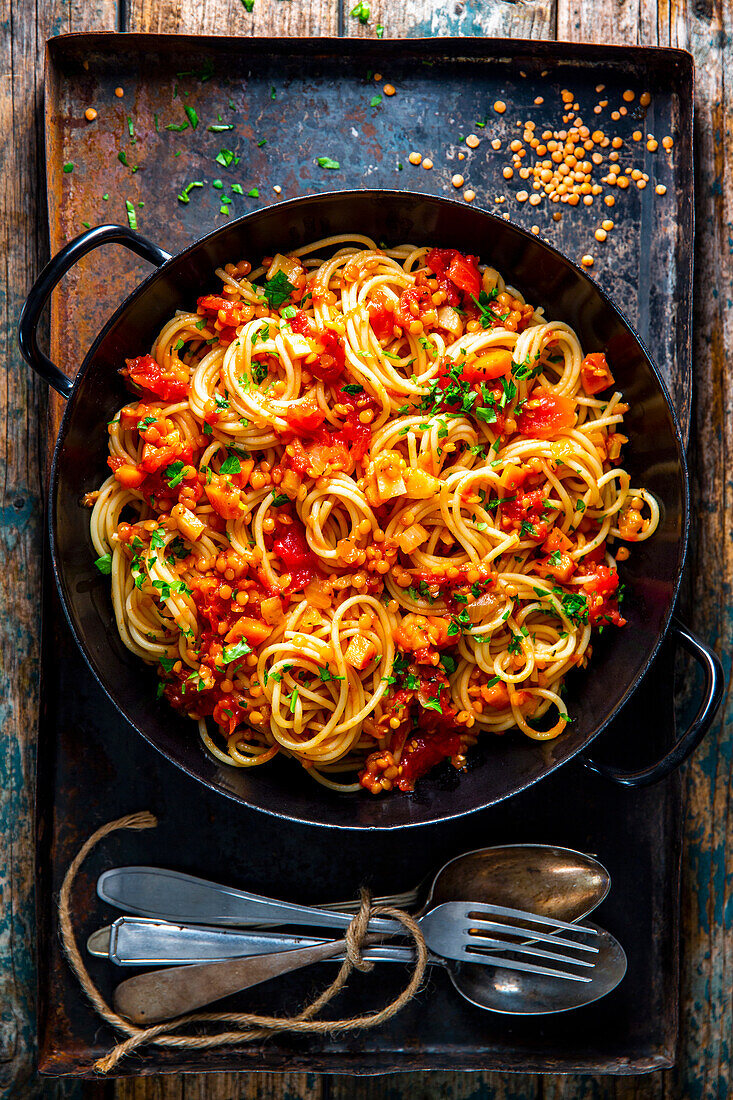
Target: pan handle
column 687, row 742
column 49, row 278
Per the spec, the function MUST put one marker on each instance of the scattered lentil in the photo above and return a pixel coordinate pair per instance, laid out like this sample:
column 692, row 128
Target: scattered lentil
column 496, row 144
column 500, row 106
column 667, row 142
column 607, row 225
column 600, row 234
column 472, row 141
column 427, row 163
column 652, row 145
column 389, row 89
column 538, row 100
column 536, row 230
column 414, row 158
column 469, row 195
column 636, row 136
column 587, row 261
column 119, row 92
column 628, row 96
column 645, row 99
column 522, row 196
column 90, row 114
column 457, row 180
column 277, row 189
column 661, row 189
column 508, row 173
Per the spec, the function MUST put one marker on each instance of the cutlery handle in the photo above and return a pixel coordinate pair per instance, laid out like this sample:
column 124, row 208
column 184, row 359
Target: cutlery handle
column 135, row 941
column 184, row 899
column 164, row 994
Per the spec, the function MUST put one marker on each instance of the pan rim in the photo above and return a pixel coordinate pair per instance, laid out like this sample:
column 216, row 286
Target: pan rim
column 225, row 230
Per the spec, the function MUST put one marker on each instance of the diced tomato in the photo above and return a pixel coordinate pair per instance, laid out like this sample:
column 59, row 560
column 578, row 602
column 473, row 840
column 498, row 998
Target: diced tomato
column 145, row 372
column 464, row 272
column 153, row 458
column 305, row 417
column 380, row 318
column 331, row 361
column 413, row 305
column 494, row 363
column 454, row 270
column 424, row 751
column 545, row 415
column 604, row 581
column 302, row 323
column 226, row 311
column 228, row 714
column 296, row 555
column 595, row 373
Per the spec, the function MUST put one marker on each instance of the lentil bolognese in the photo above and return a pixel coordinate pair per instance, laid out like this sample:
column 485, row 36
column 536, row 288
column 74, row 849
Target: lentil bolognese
column 365, row 505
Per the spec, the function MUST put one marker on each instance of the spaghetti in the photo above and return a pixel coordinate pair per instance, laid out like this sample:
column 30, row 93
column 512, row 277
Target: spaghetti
column 361, row 509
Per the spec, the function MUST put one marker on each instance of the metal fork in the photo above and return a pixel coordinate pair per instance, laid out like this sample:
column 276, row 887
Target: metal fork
column 466, row 931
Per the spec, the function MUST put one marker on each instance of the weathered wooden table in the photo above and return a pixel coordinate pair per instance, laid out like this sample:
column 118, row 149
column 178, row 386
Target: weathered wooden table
column 704, row 1068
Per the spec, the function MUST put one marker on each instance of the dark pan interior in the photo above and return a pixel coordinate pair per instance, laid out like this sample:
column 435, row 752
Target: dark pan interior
column 654, row 457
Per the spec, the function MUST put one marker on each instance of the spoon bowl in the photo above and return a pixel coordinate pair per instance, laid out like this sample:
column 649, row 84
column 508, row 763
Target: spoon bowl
column 515, row 993
column 538, row 878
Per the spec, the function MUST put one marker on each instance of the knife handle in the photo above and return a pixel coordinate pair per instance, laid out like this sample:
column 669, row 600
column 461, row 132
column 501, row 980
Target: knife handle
column 164, row 994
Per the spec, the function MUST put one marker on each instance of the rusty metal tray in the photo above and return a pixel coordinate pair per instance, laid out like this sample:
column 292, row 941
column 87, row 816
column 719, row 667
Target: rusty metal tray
column 92, row 768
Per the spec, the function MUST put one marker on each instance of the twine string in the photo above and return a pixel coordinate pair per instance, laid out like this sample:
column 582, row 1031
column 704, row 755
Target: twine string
column 239, row 1027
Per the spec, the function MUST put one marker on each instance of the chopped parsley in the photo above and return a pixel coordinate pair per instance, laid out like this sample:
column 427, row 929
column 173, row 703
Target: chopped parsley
column 192, row 117
column 484, row 300
column 185, row 193
column 253, row 194
column 327, row 162
column 353, row 388
column 230, row 466
column 361, row 12
column 174, row 473
column 326, row 675
column 68, row 167
column 234, row 652
column 131, row 215
column 433, row 704
column 375, row 101
column 278, row 289
column 280, row 499
column 104, row 564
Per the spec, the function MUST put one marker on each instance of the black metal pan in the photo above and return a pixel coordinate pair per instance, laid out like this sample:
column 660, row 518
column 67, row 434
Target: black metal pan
column 654, row 457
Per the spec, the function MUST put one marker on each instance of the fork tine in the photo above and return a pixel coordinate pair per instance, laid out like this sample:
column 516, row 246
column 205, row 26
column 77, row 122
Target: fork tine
column 526, row 949
column 530, row 968
column 510, row 929
column 485, row 908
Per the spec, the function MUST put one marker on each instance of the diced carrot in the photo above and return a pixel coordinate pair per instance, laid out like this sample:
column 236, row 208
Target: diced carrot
column 556, row 540
column 496, row 696
column 129, row 476
column 251, row 629
column 224, row 498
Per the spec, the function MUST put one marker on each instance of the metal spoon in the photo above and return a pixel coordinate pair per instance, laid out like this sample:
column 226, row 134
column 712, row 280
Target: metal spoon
column 537, row 878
